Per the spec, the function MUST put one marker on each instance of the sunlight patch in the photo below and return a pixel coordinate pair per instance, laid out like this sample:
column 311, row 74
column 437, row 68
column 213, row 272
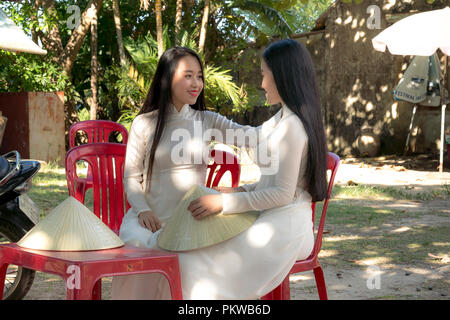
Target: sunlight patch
column 259, row 235
column 299, row 277
column 342, row 238
column 401, row 229
column 203, row 290
column 327, row 253
column 373, row 261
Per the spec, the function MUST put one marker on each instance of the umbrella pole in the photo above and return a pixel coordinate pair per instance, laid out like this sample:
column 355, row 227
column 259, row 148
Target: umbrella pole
column 409, row 132
column 443, row 102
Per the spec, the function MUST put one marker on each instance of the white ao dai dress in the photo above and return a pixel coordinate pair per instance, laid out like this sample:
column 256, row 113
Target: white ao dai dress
column 249, row 265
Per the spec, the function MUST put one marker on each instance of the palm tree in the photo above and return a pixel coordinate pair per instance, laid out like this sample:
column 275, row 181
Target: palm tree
column 94, row 69
column 178, row 18
column 116, row 10
column 266, row 16
column 134, row 79
column 201, row 44
column 159, row 27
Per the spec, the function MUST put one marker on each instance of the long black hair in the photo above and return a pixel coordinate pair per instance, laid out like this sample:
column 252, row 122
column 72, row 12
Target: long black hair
column 295, row 79
column 159, row 96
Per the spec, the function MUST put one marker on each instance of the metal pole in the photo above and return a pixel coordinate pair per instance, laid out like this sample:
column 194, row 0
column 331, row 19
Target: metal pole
column 443, row 103
column 410, row 128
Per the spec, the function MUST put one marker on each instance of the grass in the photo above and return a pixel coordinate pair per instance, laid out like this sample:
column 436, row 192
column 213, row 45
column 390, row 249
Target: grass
column 49, row 188
column 360, row 234
column 390, row 193
column 356, row 233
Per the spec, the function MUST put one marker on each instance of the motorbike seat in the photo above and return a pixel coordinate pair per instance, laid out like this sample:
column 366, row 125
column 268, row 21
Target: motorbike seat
column 4, row 167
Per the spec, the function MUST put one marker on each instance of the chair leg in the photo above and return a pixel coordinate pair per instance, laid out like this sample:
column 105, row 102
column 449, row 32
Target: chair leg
column 172, row 274
column 80, row 190
column 97, row 291
column 83, row 290
column 282, row 292
column 269, row 296
column 320, row 283
column 3, row 269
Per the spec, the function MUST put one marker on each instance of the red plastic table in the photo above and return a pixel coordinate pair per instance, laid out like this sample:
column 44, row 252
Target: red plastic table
column 81, row 270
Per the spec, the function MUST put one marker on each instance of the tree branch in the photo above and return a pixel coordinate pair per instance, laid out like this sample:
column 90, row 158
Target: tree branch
column 69, row 55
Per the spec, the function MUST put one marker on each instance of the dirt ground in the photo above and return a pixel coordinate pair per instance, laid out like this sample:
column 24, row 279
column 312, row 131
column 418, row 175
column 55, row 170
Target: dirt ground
column 365, row 279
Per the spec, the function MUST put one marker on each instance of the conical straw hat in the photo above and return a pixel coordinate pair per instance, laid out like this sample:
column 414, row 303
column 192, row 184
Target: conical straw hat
column 70, row 227
column 182, row 232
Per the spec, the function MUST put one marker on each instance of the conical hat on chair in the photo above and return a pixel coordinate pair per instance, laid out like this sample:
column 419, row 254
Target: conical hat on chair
column 70, row 227
column 182, row 232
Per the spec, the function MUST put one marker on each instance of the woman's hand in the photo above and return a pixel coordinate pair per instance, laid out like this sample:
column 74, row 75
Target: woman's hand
column 149, row 220
column 205, row 206
column 229, row 190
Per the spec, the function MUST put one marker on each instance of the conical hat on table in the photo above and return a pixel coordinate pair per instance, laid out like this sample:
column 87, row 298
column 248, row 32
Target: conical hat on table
column 70, row 227
column 182, row 232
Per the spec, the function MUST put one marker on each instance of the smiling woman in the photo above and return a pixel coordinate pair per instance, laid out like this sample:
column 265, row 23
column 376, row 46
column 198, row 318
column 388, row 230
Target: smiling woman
column 154, row 180
column 187, row 82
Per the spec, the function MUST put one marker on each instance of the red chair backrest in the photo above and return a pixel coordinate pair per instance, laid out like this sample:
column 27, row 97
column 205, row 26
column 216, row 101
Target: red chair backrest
column 333, row 164
column 224, row 161
column 97, row 131
column 106, row 161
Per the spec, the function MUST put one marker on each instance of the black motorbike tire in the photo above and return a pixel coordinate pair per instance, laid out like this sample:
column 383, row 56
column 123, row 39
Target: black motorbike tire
column 14, row 234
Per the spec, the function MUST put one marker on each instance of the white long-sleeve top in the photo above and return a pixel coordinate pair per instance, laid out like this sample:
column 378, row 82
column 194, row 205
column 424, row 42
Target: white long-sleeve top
column 282, row 157
column 278, row 147
column 181, row 157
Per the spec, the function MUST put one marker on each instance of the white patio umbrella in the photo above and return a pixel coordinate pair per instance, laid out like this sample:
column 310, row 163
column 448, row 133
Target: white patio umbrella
column 420, row 34
column 12, row 38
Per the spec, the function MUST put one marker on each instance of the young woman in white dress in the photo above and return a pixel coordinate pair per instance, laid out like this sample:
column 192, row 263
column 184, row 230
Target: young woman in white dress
column 256, row 261
column 165, row 157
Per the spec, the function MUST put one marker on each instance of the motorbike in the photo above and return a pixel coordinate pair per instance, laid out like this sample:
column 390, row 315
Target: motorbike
column 18, row 214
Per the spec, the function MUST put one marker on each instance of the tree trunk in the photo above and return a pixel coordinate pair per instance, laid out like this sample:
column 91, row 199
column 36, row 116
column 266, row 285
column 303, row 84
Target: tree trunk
column 201, row 44
column 67, row 55
column 52, row 39
column 188, row 17
column 116, row 10
column 178, row 18
column 94, row 69
column 159, row 29
column 76, row 39
column 33, row 17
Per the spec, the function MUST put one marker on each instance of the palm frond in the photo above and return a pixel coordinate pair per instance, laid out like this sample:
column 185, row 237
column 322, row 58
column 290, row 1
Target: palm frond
column 265, row 16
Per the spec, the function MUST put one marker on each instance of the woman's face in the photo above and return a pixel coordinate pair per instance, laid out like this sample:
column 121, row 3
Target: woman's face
column 187, row 83
column 268, row 84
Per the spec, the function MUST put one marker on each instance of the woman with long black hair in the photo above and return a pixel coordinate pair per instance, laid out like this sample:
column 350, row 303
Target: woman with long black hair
column 256, row 261
column 166, row 155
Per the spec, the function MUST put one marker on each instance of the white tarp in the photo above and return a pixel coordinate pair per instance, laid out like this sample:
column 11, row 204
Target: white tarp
column 12, row 38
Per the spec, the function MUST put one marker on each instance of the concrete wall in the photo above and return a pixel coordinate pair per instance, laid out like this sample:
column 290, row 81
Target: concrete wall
column 35, row 125
column 357, row 82
column 47, row 126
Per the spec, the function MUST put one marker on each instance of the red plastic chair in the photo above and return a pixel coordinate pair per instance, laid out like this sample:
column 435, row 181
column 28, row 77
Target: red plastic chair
column 222, row 162
column 282, row 292
column 106, row 161
column 89, row 267
column 97, row 131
